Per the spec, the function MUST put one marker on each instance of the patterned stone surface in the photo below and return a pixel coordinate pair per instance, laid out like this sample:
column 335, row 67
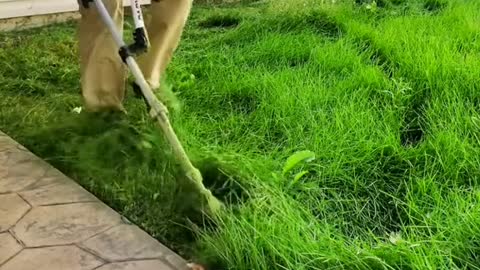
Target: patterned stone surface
column 12, row 208
column 137, row 265
column 8, row 247
column 124, row 241
column 7, row 144
column 55, row 190
column 52, row 258
column 17, row 176
column 64, row 224
column 175, row 260
column 47, row 221
column 15, row 156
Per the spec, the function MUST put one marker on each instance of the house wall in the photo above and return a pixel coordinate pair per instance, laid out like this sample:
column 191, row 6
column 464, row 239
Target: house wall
column 21, row 8
column 20, row 14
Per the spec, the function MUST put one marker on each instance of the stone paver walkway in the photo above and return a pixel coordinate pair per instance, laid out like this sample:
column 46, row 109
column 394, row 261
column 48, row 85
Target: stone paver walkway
column 48, row 222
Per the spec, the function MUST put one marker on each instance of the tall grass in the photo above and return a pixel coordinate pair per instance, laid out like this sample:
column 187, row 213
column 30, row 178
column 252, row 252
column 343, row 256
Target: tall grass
column 384, row 94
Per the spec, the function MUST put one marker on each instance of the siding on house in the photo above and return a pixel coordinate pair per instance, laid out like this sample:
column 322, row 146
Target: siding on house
column 22, row 8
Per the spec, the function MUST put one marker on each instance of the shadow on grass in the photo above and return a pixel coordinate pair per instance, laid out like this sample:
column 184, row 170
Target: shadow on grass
column 220, row 21
column 129, row 167
column 224, row 184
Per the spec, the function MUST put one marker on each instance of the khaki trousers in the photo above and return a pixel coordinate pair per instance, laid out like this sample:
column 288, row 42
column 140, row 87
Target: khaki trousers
column 103, row 74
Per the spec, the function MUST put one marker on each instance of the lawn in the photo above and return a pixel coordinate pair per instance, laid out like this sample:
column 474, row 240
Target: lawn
column 340, row 136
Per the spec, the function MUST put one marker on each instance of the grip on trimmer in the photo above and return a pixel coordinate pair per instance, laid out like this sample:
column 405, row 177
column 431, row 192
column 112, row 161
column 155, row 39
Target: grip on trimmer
column 140, row 44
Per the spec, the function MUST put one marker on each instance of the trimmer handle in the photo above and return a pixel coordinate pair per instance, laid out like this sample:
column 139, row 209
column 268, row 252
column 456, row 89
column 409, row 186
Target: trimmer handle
column 140, row 37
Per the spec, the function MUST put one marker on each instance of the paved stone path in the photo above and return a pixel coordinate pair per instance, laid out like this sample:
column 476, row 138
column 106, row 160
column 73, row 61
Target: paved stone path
column 48, row 222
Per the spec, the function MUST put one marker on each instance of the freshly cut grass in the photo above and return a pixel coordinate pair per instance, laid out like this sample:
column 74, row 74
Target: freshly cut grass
column 383, row 95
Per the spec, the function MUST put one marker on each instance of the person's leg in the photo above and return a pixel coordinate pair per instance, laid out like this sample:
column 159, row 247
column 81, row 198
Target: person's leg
column 164, row 27
column 102, row 71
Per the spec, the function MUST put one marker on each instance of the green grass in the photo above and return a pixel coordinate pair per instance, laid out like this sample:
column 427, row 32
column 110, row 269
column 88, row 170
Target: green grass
column 386, row 96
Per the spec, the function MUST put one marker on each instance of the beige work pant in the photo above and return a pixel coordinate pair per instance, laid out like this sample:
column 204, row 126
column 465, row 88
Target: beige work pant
column 103, row 74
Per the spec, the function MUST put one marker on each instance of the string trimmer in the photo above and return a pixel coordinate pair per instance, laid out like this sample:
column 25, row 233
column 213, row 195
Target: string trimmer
column 158, row 111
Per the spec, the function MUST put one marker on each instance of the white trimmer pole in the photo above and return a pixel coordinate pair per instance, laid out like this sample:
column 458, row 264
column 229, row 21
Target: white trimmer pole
column 137, row 14
column 158, row 110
